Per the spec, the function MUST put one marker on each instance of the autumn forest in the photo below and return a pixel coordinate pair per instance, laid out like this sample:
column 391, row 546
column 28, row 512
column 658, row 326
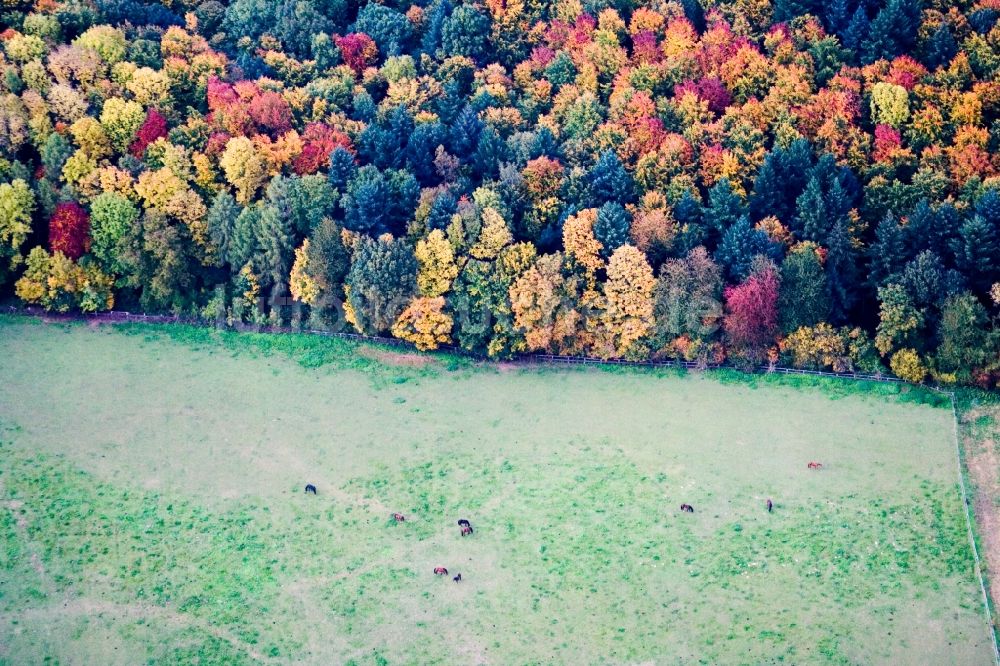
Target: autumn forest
column 815, row 184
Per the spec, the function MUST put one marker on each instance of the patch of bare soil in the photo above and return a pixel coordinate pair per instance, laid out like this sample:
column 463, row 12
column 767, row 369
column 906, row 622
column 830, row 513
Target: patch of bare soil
column 472, row 653
column 409, row 360
column 983, row 463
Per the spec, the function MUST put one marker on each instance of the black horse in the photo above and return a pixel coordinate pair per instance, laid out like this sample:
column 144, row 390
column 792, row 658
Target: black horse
column 770, row 505
column 310, row 488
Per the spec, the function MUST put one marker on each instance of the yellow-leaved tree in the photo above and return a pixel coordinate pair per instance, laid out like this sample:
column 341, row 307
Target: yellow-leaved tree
column 579, row 241
column 535, row 298
column 56, row 282
column 628, row 293
column 890, row 104
column 303, row 287
column 245, row 169
column 424, row 323
column 495, row 235
column 157, row 187
column 437, row 264
column 121, row 120
column 906, row 364
column 90, row 136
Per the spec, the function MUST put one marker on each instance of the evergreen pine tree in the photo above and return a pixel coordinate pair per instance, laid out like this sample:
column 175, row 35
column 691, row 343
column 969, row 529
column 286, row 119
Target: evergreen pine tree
column 221, row 221
column 812, row 218
column 442, row 209
column 694, row 13
column 329, row 260
column 887, row 254
column 243, row 243
column 947, row 222
column 841, row 272
column 276, row 242
column 796, row 165
column 612, row 228
column 464, row 133
column 491, row 150
column 609, row 181
column 977, row 252
column 855, row 33
column 366, row 202
column 892, row 32
column 835, row 16
column 768, row 196
column 420, row 149
column 804, row 298
column 925, row 280
column 940, row 48
column 724, row 209
column 382, row 280
column 691, row 231
column 921, row 230
column 434, row 21
column 988, row 207
column 738, row 247
column 342, row 168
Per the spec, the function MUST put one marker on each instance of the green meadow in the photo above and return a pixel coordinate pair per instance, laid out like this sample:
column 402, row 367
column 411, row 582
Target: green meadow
column 152, row 510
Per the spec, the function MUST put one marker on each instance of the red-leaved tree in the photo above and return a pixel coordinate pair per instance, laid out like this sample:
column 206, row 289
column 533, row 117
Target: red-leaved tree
column 227, row 110
column 271, row 112
column 712, row 90
column 153, row 128
column 358, row 50
column 751, row 321
column 318, row 141
column 69, row 230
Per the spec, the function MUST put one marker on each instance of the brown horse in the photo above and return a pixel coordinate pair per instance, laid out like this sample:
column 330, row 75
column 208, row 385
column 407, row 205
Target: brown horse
column 466, row 527
column 815, row 465
column 440, row 571
column 398, row 517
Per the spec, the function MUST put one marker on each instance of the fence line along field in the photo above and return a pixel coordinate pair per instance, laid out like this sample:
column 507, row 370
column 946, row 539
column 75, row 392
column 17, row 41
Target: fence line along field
column 152, row 509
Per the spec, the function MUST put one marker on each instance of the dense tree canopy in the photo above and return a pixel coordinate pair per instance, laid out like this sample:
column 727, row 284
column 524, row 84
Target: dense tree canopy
column 807, row 182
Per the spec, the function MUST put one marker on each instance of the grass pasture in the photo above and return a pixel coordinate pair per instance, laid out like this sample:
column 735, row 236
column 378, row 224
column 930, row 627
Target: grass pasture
column 151, row 510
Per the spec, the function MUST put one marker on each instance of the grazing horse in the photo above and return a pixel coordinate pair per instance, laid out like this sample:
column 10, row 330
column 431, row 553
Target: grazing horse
column 457, row 578
column 770, row 505
column 440, row 571
column 466, row 526
column 687, row 507
column 310, row 488
column 815, row 465
column 398, row 517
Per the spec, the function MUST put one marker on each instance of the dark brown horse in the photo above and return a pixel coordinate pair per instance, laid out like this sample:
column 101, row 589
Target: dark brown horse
column 687, row 507
column 770, row 505
column 466, row 527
